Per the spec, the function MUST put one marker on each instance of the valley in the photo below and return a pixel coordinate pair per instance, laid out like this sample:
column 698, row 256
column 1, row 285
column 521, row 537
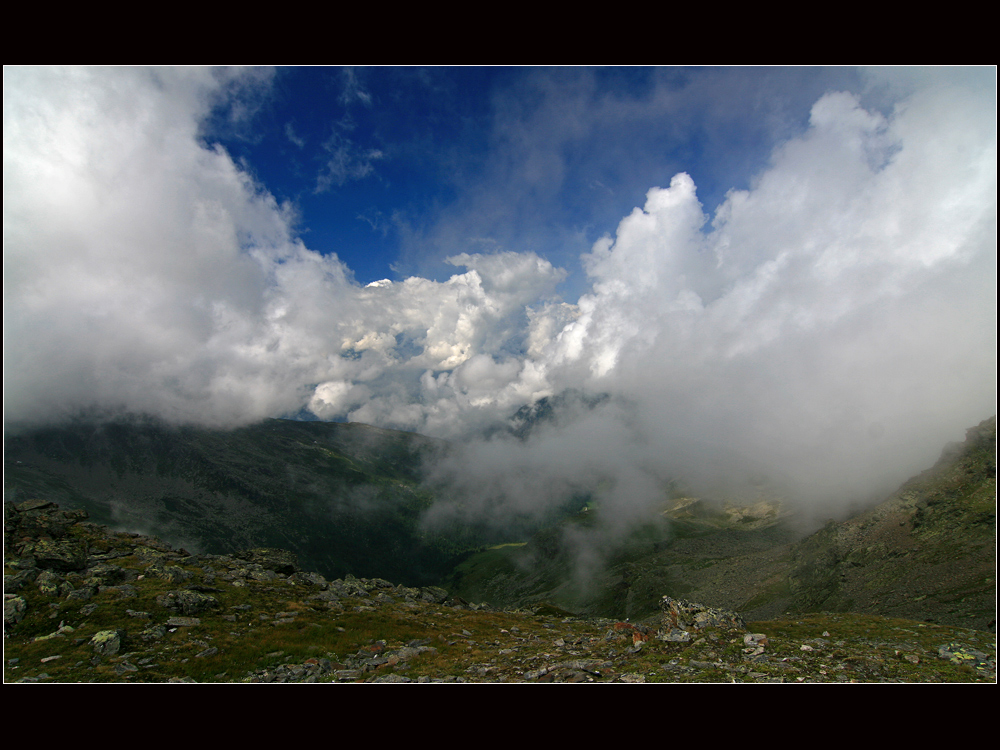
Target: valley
column 151, row 512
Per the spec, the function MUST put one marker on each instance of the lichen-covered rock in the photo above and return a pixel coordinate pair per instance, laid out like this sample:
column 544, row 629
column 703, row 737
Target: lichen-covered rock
column 81, row 594
column 187, row 602
column 108, row 642
column 172, row 573
column 349, row 586
column 183, row 622
column 279, row 560
column 106, row 574
column 63, row 555
column 688, row 616
column 153, row 633
column 14, row 609
column 48, row 583
column 310, row 579
column 434, row 594
column 38, row 518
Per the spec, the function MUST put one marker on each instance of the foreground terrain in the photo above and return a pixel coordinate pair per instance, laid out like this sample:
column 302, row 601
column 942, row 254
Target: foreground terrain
column 88, row 604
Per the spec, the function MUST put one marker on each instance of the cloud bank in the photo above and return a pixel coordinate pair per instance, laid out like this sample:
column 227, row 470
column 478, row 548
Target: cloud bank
column 834, row 323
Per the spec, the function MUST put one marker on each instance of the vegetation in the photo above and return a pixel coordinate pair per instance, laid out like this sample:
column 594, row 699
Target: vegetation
column 903, row 592
column 271, row 627
column 331, row 493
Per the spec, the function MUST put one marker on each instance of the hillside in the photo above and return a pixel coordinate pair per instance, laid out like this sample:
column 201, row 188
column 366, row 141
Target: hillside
column 903, row 592
column 87, row 604
column 928, row 553
column 345, row 498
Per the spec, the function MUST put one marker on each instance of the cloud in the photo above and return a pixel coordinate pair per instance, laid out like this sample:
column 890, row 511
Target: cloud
column 129, row 274
column 831, row 321
column 831, row 327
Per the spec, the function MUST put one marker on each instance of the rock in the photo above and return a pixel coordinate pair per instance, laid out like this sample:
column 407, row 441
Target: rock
column 156, row 632
column 37, row 519
column 310, row 579
column 183, row 622
column 82, row 594
column 434, row 594
column 172, row 573
column 279, row 560
column 689, row 616
column 14, row 609
column 64, row 555
column 48, row 583
column 108, row 642
column 187, row 602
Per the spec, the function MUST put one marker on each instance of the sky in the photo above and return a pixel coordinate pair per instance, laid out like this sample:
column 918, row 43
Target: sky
column 781, row 272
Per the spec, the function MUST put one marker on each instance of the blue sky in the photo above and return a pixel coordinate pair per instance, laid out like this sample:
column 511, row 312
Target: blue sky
column 394, row 169
column 789, row 268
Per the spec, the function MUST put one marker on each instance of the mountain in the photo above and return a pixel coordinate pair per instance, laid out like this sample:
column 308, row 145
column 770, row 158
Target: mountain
column 928, row 552
column 345, row 498
column 84, row 603
column 552, row 411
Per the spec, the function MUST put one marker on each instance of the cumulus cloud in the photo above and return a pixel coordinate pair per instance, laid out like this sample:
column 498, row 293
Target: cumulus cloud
column 144, row 271
column 832, row 323
column 830, row 328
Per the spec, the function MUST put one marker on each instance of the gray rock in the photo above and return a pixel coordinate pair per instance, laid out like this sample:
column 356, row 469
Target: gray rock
column 64, row 555
column 108, row 642
column 171, row 573
column 14, row 610
column 156, row 632
column 689, row 616
column 82, row 594
column 48, row 583
column 183, row 622
column 279, row 560
column 187, row 602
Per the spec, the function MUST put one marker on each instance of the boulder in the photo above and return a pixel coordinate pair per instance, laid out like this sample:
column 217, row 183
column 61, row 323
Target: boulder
column 187, row 602
column 270, row 558
column 689, row 616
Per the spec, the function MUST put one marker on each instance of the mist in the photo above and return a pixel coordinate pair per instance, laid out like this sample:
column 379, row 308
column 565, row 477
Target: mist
column 824, row 330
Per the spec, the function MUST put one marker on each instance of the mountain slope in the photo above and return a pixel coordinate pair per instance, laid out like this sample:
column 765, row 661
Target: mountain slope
column 346, row 498
column 85, row 604
column 928, row 552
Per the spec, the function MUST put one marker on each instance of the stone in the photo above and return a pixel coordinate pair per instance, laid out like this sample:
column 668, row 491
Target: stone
column 108, row 642
column 689, row 616
column 279, row 560
column 187, row 602
column 14, row 610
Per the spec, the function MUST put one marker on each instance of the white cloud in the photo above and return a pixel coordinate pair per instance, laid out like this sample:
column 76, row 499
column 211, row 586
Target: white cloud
column 849, row 291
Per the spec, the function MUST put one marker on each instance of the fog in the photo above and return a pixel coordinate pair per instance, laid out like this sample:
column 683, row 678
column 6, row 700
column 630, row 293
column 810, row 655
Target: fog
column 823, row 332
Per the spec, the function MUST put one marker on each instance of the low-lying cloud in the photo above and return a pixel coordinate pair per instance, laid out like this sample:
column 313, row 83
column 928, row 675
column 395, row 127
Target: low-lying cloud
column 832, row 325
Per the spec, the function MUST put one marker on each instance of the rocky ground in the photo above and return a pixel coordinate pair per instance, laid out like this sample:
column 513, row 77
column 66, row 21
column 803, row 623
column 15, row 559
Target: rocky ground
column 85, row 604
